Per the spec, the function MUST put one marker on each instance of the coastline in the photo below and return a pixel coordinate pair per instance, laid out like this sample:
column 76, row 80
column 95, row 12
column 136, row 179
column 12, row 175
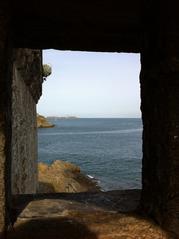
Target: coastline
column 93, row 144
column 42, row 122
column 62, row 176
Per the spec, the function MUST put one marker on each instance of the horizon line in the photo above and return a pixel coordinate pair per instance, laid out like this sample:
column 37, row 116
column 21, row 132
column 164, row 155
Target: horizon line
column 108, row 117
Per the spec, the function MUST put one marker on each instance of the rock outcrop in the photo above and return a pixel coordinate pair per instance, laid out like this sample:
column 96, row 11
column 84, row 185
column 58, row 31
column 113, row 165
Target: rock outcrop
column 63, row 176
column 42, row 122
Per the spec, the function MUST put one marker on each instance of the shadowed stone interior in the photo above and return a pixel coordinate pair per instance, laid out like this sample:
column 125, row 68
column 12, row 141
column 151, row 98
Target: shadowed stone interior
column 148, row 27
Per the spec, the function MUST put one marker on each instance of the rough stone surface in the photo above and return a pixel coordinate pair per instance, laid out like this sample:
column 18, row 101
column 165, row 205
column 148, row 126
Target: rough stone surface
column 160, row 111
column 63, row 176
column 24, row 132
column 149, row 27
column 107, row 215
column 28, row 63
column 5, row 116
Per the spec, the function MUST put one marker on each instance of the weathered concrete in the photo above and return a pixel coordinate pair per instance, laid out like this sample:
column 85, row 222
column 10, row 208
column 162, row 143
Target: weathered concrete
column 26, row 89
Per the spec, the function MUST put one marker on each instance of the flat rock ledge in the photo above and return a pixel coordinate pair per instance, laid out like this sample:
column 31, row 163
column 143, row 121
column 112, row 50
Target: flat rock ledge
column 100, row 215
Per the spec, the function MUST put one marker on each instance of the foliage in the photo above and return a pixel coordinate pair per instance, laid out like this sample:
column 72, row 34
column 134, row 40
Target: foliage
column 47, row 70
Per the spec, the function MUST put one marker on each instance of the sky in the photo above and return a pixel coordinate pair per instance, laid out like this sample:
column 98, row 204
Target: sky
column 91, row 85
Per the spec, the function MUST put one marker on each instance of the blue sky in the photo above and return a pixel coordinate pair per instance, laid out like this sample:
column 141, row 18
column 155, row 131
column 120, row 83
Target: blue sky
column 87, row 84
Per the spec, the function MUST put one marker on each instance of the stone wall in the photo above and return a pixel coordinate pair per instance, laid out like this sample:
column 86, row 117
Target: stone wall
column 5, row 116
column 149, row 27
column 26, row 89
column 79, row 25
column 160, row 111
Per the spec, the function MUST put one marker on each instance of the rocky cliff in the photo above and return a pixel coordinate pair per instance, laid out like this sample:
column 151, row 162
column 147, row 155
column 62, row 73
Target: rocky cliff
column 63, row 176
column 42, row 122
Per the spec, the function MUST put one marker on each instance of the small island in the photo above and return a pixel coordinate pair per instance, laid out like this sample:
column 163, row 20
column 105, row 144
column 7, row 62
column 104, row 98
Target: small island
column 61, row 117
column 42, row 122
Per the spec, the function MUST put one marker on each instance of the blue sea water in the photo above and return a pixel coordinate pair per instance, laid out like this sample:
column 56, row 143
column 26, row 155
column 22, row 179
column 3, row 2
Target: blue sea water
column 110, row 150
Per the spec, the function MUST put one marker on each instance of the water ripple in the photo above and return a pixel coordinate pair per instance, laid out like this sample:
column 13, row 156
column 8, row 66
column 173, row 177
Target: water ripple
column 123, row 131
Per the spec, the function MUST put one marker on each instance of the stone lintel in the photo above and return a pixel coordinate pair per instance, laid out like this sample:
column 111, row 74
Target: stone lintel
column 79, row 25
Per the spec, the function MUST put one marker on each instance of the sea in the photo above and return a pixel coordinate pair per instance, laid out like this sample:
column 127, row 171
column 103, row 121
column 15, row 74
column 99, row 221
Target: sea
column 108, row 150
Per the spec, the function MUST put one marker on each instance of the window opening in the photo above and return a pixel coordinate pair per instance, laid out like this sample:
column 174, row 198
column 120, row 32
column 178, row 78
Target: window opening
column 93, row 99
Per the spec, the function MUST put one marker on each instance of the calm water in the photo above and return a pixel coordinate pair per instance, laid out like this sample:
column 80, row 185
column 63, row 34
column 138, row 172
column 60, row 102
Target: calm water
column 110, row 150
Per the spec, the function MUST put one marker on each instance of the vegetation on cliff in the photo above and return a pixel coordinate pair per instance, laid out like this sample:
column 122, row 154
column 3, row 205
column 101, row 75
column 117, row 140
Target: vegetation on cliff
column 47, row 70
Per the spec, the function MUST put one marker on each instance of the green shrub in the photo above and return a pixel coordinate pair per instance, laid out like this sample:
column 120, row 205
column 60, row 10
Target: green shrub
column 47, row 70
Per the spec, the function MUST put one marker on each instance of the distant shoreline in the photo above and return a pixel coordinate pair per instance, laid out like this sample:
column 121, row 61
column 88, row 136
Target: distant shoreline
column 75, row 117
column 61, row 117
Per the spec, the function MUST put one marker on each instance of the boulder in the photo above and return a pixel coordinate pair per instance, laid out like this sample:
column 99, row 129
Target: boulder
column 63, row 176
